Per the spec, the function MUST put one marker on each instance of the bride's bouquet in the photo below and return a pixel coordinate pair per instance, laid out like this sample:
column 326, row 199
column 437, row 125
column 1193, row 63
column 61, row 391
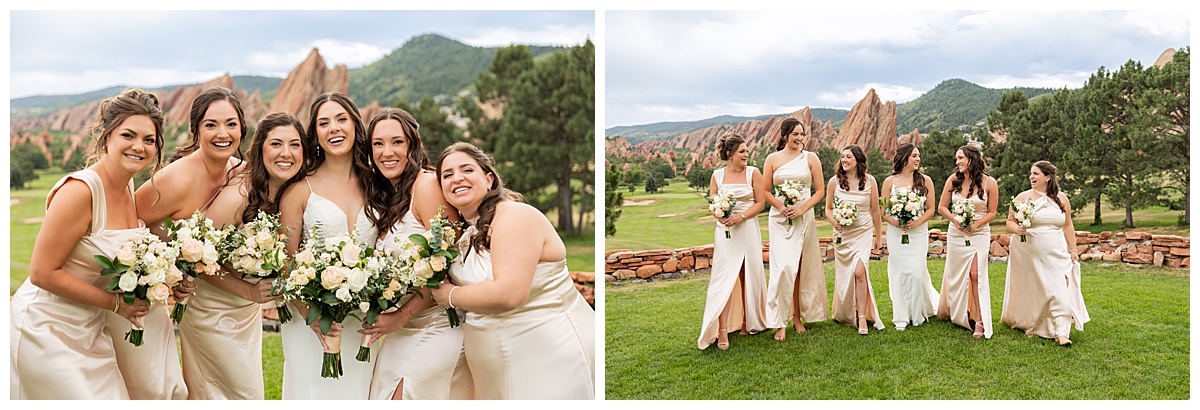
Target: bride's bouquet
column 345, row 269
column 844, row 212
column 258, row 249
column 384, row 290
column 1023, row 213
column 903, row 204
column 195, row 239
column 792, row 192
column 964, row 213
column 721, row 206
column 425, row 257
column 145, row 269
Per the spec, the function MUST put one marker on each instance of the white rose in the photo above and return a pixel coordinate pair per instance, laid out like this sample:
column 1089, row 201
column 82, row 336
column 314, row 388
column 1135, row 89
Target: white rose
column 1025, row 223
column 158, row 293
column 150, row 260
column 437, row 263
column 333, row 242
column 210, row 254
column 305, row 257
column 909, row 207
column 246, row 263
column 912, row 196
column 357, row 279
column 263, row 238
column 1020, row 216
column 129, row 281
column 157, row 247
column 173, row 276
column 422, row 269
column 389, row 295
column 126, row 256
column 349, row 254
column 158, row 276
column 373, row 264
column 958, row 219
column 343, row 294
column 184, row 233
column 364, row 306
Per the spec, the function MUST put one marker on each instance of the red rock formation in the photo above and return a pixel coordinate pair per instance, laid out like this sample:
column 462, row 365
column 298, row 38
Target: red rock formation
column 307, row 81
column 368, row 111
column 870, row 124
column 253, row 106
column 177, row 105
column 74, row 119
column 1165, row 58
column 618, row 147
column 913, row 137
column 76, row 148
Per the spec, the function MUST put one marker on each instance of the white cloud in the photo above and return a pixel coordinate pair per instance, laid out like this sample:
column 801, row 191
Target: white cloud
column 1045, row 80
column 550, row 34
column 27, row 83
column 886, row 92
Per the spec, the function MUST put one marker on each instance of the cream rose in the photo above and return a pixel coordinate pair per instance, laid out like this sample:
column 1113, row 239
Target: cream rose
column 437, row 263
column 305, row 257
column 364, row 306
column 126, row 256
column 332, row 277
column 264, row 238
column 422, row 269
column 191, row 250
column 158, row 293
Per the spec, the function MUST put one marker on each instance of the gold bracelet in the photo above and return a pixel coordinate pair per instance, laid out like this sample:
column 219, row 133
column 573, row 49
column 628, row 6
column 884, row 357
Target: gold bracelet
column 118, row 306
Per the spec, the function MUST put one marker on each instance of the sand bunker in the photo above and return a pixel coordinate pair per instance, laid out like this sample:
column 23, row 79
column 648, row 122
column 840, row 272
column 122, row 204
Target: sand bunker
column 670, row 215
column 637, row 203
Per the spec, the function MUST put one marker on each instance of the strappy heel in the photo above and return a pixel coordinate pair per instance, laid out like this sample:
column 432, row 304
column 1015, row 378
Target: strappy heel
column 978, row 330
column 723, row 345
column 862, row 325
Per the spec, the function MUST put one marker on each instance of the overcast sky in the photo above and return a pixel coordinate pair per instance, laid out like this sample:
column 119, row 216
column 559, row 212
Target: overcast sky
column 691, row 65
column 69, row 52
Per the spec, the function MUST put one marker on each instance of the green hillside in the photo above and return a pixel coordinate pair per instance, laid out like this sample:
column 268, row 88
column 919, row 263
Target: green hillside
column 951, row 104
column 426, row 66
column 636, row 134
column 39, row 105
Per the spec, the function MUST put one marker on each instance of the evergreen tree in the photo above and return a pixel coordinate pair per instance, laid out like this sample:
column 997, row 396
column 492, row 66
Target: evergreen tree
column 878, row 166
column 613, row 199
column 699, row 178
column 1164, row 111
column 937, row 155
column 437, row 132
column 1135, row 182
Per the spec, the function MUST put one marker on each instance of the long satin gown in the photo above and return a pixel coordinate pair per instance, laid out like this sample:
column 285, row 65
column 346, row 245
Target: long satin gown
column 59, row 349
column 914, row 300
column 221, row 341
column 1042, row 295
column 427, row 354
column 956, row 281
column 794, row 248
column 742, row 250
column 543, row 349
column 302, row 351
column 855, row 249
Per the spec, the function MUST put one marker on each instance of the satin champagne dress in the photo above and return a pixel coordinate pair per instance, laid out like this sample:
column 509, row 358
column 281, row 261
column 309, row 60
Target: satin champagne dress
column 795, row 258
column 59, row 349
column 302, row 351
column 956, row 281
column 914, row 300
column 1042, row 293
column 742, row 250
column 427, row 354
column 855, row 250
column 543, row 349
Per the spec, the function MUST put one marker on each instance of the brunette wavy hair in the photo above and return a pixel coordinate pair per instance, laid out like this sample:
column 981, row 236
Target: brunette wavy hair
column 1051, row 171
column 114, row 111
column 975, row 166
column 398, row 198
column 360, row 155
column 258, row 196
column 860, row 169
column 900, row 161
column 196, row 115
column 728, row 143
column 786, row 127
column 496, row 192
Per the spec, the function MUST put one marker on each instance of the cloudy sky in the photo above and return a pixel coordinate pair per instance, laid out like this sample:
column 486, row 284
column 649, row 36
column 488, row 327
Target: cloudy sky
column 691, row 65
column 68, row 52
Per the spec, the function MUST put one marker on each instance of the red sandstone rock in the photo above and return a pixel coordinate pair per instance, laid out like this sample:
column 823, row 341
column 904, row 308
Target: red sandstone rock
column 1173, row 262
column 1186, row 263
column 583, row 277
column 870, row 124
column 702, row 263
column 644, row 254
column 1158, row 258
column 1181, row 251
column 1114, row 257
column 1167, row 56
column 1106, row 235
column 307, row 81
column 1089, row 239
column 1002, row 240
column 614, row 252
column 913, row 137
column 670, row 266
column 625, row 274
column 687, row 262
column 1137, row 236
column 997, row 250
column 1138, row 258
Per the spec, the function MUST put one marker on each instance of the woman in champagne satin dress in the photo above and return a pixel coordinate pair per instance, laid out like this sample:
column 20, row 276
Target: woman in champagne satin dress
column 853, row 297
column 528, row 333
column 966, row 296
column 796, row 288
column 1042, row 295
column 60, row 345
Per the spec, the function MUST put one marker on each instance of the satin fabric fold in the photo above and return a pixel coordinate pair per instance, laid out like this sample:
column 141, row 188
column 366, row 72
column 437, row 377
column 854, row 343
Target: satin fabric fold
column 743, row 250
column 795, row 257
column 1042, row 294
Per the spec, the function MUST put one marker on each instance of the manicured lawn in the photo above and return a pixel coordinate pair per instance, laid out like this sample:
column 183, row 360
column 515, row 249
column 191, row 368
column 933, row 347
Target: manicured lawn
column 1137, row 346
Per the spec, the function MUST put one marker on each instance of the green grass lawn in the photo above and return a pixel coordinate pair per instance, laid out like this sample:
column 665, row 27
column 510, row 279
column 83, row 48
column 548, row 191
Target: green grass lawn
column 1136, row 347
column 678, row 217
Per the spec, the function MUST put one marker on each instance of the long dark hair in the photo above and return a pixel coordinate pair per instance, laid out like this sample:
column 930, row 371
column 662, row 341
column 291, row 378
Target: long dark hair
column 114, row 111
column 398, row 198
column 860, row 169
column 497, row 192
column 199, row 108
column 258, row 198
column 975, row 166
column 900, row 161
column 786, row 128
column 728, row 143
column 1051, row 171
column 360, row 155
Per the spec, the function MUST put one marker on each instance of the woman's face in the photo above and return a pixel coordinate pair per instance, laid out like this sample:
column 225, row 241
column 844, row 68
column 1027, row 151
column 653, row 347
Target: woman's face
column 914, row 160
column 389, row 149
column 130, row 146
column 797, row 138
column 464, row 182
column 1037, row 180
column 282, row 152
column 741, row 155
column 961, row 162
column 847, row 161
column 335, row 129
column 220, row 131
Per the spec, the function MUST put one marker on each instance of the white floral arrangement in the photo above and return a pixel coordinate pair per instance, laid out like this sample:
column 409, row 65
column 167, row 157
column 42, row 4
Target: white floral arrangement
column 792, row 192
column 963, row 211
column 1023, row 213
column 844, row 213
column 424, row 258
column 905, row 205
column 145, row 269
column 258, row 249
column 196, row 241
column 721, row 206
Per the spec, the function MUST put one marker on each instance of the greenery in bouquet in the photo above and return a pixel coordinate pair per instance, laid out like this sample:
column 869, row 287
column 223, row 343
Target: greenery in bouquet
column 196, row 240
column 144, row 269
column 258, row 249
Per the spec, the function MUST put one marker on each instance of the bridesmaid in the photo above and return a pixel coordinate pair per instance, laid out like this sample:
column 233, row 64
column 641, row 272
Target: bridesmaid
column 853, row 298
column 333, row 200
column 735, row 299
column 914, row 299
column 421, row 357
column 528, row 334
column 794, row 246
column 189, row 183
column 966, row 297
column 1042, row 294
column 222, row 356
column 60, row 348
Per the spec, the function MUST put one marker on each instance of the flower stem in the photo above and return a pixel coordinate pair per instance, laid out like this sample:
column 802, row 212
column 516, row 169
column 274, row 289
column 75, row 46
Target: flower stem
column 134, row 336
column 178, row 311
column 284, row 314
column 452, row 316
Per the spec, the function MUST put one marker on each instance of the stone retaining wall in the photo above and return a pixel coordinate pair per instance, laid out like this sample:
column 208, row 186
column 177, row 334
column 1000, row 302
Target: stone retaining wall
column 1130, row 247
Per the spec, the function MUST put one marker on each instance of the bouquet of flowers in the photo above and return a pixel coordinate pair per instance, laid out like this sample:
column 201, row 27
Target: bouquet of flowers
column 903, row 204
column 258, row 249
column 792, row 192
column 384, row 290
column 721, row 206
column 964, row 213
column 196, row 242
column 844, row 213
column 426, row 256
column 345, row 269
column 145, row 269
column 1024, row 213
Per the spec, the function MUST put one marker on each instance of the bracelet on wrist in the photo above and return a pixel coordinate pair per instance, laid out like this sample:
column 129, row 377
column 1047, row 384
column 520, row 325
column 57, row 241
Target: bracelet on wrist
column 118, row 305
column 450, row 298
